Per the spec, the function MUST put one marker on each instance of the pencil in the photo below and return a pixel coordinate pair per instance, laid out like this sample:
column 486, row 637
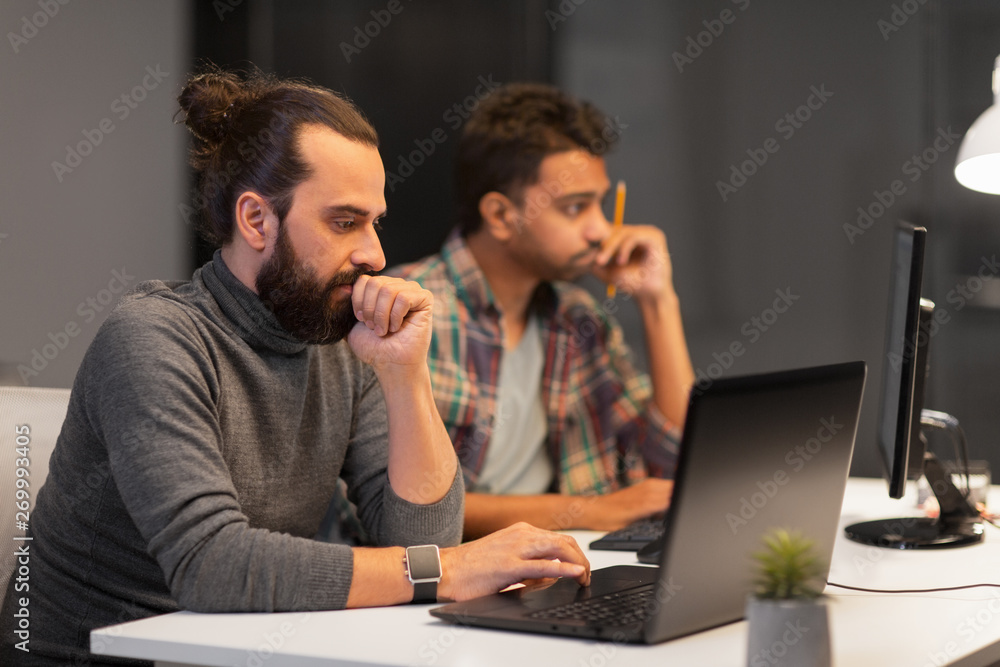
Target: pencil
column 619, row 220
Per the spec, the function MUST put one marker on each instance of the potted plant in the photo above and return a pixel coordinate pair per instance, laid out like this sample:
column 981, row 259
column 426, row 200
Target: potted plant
column 787, row 612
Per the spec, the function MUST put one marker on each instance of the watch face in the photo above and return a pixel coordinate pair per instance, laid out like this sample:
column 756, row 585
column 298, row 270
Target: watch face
column 423, row 562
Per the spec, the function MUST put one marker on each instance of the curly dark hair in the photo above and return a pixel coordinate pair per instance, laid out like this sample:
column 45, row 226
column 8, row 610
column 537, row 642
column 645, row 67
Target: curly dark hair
column 509, row 134
column 245, row 127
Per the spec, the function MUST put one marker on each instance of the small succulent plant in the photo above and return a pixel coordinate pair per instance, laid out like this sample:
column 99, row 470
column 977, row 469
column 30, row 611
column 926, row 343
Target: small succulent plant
column 787, row 567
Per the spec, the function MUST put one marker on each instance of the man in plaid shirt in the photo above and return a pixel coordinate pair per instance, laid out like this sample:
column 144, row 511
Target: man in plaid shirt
column 552, row 423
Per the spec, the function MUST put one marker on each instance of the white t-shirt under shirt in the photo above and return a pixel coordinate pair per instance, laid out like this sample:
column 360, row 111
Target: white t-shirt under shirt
column 516, row 460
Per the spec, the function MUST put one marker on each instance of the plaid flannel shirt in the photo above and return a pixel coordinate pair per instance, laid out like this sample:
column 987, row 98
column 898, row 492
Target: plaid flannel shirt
column 604, row 432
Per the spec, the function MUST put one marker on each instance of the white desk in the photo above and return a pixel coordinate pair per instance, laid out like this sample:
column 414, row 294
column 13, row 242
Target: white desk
column 915, row 630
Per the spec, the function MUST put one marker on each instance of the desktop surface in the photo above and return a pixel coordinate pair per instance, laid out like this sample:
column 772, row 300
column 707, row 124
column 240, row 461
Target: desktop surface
column 955, row 627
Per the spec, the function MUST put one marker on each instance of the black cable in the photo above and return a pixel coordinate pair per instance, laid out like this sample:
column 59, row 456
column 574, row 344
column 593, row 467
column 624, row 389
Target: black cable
column 913, row 590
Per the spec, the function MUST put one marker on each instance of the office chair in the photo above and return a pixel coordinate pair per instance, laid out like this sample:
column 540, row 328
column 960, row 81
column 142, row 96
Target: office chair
column 30, row 421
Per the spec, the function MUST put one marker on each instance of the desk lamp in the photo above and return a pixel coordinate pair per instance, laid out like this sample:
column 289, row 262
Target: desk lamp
column 978, row 164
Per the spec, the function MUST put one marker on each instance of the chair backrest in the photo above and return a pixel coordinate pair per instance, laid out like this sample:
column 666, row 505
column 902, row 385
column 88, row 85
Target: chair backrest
column 30, row 421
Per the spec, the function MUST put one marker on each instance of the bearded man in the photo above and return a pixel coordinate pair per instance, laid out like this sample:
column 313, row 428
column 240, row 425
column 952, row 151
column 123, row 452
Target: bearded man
column 210, row 420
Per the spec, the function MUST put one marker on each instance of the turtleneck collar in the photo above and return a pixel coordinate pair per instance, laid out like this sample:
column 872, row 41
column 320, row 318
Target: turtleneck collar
column 253, row 321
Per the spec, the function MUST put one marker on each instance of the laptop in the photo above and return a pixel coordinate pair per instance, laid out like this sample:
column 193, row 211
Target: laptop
column 758, row 452
column 632, row 537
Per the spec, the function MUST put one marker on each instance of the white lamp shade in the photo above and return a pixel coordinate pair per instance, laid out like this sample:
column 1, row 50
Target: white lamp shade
column 978, row 164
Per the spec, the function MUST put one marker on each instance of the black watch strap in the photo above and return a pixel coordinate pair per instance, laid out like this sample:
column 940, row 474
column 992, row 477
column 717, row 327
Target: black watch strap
column 425, row 591
column 423, row 569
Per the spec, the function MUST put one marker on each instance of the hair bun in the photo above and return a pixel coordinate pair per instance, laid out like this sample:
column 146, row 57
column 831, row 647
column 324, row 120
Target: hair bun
column 208, row 101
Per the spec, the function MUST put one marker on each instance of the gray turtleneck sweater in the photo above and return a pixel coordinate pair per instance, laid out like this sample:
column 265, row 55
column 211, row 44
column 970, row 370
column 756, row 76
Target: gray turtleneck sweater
column 198, row 457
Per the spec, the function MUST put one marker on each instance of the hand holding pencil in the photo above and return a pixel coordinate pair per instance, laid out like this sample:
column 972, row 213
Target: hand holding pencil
column 619, row 221
column 634, row 257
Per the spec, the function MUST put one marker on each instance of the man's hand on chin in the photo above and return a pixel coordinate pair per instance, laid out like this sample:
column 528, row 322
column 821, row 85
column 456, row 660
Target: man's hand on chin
column 394, row 322
column 635, row 259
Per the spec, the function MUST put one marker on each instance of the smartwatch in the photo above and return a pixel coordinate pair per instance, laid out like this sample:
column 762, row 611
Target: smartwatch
column 423, row 569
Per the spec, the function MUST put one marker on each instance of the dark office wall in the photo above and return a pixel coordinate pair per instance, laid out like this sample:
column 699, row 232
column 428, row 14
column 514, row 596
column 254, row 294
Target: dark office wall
column 700, row 88
column 683, row 129
column 415, row 71
column 964, row 231
column 72, row 241
column 893, row 83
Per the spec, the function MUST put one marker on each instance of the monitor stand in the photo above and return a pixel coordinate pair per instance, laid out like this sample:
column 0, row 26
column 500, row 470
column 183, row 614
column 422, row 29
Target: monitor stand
column 958, row 524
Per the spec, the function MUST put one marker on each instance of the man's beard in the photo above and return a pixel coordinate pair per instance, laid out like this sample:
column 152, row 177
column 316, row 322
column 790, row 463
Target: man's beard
column 536, row 262
column 304, row 307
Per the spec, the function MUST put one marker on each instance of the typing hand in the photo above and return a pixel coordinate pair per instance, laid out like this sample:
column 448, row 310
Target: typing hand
column 620, row 508
column 515, row 554
column 394, row 327
column 634, row 259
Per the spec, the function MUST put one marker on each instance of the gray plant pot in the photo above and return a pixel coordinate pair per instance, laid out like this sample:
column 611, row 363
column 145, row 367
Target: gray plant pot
column 787, row 633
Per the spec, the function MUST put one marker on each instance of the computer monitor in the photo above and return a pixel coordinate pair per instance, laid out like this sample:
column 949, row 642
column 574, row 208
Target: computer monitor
column 901, row 443
column 904, row 364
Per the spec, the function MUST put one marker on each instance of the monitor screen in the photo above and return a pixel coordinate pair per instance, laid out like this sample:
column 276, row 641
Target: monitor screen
column 903, row 362
column 900, row 442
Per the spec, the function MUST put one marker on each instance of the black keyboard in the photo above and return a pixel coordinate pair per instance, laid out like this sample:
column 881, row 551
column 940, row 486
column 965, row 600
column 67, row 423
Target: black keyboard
column 614, row 609
column 632, row 537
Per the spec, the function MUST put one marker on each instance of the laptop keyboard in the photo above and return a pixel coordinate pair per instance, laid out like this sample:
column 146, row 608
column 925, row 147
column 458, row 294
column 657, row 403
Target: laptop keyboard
column 638, row 533
column 622, row 608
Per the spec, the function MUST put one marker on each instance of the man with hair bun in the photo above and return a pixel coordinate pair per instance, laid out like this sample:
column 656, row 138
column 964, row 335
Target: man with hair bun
column 211, row 419
column 532, row 375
